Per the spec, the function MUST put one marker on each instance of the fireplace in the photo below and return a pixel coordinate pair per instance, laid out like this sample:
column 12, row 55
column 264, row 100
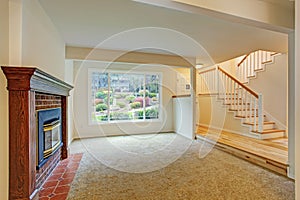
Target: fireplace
column 49, row 138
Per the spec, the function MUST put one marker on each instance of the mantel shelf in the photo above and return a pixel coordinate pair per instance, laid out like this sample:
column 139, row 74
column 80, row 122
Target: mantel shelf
column 32, row 78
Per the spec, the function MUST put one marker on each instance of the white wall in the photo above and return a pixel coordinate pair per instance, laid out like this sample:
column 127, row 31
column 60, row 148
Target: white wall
column 82, row 127
column 3, row 101
column 213, row 113
column 272, row 83
column 183, row 118
column 37, row 43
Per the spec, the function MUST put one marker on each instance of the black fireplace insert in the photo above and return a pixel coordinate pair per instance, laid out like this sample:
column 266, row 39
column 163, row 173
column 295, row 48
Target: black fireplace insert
column 49, row 138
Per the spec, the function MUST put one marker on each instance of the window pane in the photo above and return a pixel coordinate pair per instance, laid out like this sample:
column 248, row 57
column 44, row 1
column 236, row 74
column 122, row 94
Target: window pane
column 100, row 96
column 152, row 97
column 126, row 102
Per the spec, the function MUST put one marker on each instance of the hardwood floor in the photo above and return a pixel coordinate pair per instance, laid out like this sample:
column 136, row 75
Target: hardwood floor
column 271, row 154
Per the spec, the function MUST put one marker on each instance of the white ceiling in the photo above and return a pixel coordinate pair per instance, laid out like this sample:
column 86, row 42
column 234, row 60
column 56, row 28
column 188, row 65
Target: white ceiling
column 101, row 23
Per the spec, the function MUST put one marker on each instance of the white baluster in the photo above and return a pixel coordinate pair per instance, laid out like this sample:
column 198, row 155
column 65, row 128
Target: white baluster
column 255, row 114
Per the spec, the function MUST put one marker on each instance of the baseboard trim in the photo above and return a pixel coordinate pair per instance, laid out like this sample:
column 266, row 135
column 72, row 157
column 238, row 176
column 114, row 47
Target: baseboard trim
column 117, row 135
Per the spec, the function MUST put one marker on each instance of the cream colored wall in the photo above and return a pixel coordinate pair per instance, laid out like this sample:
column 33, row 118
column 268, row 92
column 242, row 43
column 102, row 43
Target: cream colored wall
column 214, row 114
column 230, row 65
column 3, row 101
column 272, row 83
column 42, row 46
column 37, row 43
column 82, row 127
column 182, row 79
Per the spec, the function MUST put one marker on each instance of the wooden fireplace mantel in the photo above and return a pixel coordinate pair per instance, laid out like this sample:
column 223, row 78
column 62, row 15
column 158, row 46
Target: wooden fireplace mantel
column 22, row 84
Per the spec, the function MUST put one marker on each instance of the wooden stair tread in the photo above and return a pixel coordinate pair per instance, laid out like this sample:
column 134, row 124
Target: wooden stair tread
column 265, row 123
column 242, row 116
column 231, row 109
column 257, row 70
column 236, row 103
column 267, row 149
column 268, row 61
column 268, row 131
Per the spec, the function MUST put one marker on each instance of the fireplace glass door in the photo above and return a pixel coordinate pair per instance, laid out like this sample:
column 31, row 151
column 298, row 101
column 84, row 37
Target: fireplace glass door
column 52, row 137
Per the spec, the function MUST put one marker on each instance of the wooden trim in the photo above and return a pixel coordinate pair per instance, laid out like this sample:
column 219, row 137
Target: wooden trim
column 246, row 56
column 181, row 96
column 208, row 70
column 237, row 81
column 64, row 108
column 22, row 84
column 31, row 78
column 274, row 54
column 266, row 62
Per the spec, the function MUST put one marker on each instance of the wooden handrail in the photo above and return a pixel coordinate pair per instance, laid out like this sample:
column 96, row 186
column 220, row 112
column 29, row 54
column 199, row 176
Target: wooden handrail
column 238, row 82
column 208, row 70
column 181, row 96
column 246, row 56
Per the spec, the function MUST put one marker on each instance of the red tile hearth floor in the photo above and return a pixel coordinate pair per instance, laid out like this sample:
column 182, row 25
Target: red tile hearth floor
column 57, row 186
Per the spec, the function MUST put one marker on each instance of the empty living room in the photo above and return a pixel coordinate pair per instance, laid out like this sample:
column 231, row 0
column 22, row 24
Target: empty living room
column 147, row 99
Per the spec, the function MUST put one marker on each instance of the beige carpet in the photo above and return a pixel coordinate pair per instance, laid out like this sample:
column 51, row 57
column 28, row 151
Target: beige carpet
column 168, row 166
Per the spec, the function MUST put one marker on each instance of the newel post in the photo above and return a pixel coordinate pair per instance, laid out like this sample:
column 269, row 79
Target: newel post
column 260, row 113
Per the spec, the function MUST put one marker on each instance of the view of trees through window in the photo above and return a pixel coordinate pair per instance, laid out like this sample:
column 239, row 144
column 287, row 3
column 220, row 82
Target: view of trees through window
column 125, row 96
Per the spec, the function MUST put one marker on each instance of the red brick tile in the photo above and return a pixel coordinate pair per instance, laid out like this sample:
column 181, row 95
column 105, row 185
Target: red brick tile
column 79, row 155
column 60, row 170
column 76, row 160
column 69, row 175
column 64, row 161
column 72, row 164
column 59, row 197
column 54, row 177
column 71, row 170
column 66, row 181
column 60, row 167
column 43, row 198
column 45, row 192
column 50, row 184
column 62, row 189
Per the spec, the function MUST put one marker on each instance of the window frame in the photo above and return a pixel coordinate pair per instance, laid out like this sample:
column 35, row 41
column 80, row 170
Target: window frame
column 130, row 71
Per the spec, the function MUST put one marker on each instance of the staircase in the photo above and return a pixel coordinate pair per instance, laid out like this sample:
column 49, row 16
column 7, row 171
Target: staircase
column 246, row 104
column 253, row 63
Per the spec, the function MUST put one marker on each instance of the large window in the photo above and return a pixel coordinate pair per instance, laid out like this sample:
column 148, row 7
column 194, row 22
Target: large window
column 119, row 96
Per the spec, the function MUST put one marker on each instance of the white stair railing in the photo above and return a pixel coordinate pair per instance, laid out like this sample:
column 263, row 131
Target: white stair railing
column 245, row 102
column 252, row 63
column 208, row 82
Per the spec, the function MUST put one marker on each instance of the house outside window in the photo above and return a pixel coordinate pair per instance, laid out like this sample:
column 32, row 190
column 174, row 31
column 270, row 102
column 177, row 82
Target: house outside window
column 120, row 96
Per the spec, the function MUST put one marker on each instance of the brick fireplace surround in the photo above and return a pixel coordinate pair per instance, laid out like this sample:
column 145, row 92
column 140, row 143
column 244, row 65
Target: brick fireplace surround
column 31, row 89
